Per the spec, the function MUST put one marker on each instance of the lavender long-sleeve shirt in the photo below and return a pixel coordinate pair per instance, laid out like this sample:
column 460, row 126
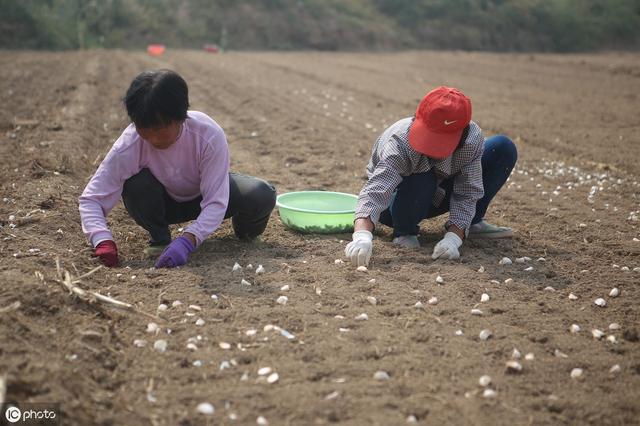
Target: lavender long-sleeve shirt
column 196, row 164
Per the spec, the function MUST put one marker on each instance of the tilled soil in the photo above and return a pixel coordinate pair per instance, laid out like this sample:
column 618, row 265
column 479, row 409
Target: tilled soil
column 308, row 121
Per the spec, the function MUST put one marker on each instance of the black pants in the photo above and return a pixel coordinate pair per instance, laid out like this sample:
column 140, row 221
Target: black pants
column 251, row 201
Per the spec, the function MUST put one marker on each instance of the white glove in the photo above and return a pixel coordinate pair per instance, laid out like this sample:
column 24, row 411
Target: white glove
column 448, row 247
column 359, row 250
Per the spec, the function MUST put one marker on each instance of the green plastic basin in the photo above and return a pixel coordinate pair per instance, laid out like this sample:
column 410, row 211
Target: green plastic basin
column 317, row 212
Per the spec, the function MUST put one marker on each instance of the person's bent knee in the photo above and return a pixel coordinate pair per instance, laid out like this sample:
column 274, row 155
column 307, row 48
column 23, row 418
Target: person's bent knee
column 505, row 147
column 265, row 196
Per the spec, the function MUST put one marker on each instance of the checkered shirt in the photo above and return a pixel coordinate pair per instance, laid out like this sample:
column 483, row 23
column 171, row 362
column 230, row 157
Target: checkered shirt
column 393, row 157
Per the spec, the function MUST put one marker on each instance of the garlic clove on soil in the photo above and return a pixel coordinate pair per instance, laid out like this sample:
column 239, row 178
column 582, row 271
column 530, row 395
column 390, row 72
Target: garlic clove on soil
column 282, row 300
column 245, row 283
column 576, row 373
column 433, row 301
column 600, row 302
column 260, row 269
column 489, row 393
column 439, row 280
column 484, row 297
column 476, row 312
column 574, row 328
column 372, row 300
column 573, row 296
column 362, row 317
column 484, row 381
column 484, row 334
column 236, row 267
column 160, row 345
column 205, row 408
column 381, row 375
column 361, row 269
column 516, row 354
column 530, row 356
column 614, row 292
column 505, row 261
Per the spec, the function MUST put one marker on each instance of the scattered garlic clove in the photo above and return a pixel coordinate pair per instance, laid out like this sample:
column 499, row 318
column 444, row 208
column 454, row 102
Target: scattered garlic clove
column 192, row 346
column 614, row 326
column 140, row 343
column 264, row 371
column 249, row 266
column 513, row 367
column 508, row 281
column 162, row 307
column 381, row 375
column 541, row 259
column 615, row 369
column 251, row 332
column 600, row 302
column 484, row 297
column 484, row 334
column 361, row 269
column 245, row 283
column 418, row 305
column 273, row 377
column 505, row 261
column 481, row 269
column 224, row 345
column 530, row 356
column 260, row 269
column 612, row 339
column 338, row 261
column 559, row 354
column 236, row 267
column 489, row 393
column 372, row 281
column 285, row 287
column 576, row 373
column 261, row 421
column 459, row 333
column 176, row 303
column 614, row 292
column 529, row 269
column 152, row 327
column 574, row 328
column 520, row 259
column 573, row 296
column 476, row 312
column 484, row 381
column 495, row 282
column 549, row 288
column 282, row 300
column 160, row 345
column 195, row 307
column 411, row 419
column 372, row 300
column 597, row 334
column 516, row 354
column 433, row 301
column 439, row 280
column 362, row 317
column 199, row 322
column 205, row 408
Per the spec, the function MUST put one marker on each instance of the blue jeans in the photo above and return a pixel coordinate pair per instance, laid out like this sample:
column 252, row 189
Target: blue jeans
column 412, row 199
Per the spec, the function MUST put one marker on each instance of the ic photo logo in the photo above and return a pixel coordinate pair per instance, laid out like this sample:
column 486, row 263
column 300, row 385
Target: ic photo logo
column 13, row 414
column 31, row 414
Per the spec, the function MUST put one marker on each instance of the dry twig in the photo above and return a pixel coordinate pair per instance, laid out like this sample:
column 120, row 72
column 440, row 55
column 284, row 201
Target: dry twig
column 64, row 279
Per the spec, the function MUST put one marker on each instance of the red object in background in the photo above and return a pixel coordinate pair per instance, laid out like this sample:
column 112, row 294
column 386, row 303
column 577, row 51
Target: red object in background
column 155, row 49
column 211, row 48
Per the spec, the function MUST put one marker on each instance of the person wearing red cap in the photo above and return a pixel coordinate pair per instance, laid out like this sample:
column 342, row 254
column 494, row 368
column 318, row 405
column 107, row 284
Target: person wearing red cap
column 426, row 165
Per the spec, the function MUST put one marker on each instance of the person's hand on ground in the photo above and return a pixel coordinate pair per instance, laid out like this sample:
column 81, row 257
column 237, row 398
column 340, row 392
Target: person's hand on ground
column 447, row 248
column 176, row 253
column 359, row 250
column 107, row 252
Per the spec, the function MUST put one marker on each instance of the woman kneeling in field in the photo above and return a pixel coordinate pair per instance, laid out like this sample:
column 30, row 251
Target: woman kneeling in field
column 171, row 165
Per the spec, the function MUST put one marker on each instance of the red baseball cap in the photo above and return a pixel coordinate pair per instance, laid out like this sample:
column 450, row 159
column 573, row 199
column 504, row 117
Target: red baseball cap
column 439, row 122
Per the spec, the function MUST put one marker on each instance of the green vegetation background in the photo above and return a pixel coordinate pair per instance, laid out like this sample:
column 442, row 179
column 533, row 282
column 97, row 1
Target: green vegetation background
column 500, row 25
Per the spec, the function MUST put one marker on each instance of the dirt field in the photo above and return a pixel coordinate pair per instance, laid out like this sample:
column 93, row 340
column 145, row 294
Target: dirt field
column 308, row 121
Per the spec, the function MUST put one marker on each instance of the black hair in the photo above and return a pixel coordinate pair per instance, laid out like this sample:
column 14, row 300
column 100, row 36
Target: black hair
column 156, row 98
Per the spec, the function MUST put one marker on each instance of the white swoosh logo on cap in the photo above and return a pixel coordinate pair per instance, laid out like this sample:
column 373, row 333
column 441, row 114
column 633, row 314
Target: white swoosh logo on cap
column 447, row 123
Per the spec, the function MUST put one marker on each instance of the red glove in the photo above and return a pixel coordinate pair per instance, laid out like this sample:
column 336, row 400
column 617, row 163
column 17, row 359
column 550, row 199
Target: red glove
column 108, row 253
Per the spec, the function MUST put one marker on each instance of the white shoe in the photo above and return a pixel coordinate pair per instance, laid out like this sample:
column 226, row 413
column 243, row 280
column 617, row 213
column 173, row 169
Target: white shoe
column 407, row 241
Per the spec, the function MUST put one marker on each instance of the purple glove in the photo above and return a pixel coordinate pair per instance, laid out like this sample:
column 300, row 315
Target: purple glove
column 176, row 253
